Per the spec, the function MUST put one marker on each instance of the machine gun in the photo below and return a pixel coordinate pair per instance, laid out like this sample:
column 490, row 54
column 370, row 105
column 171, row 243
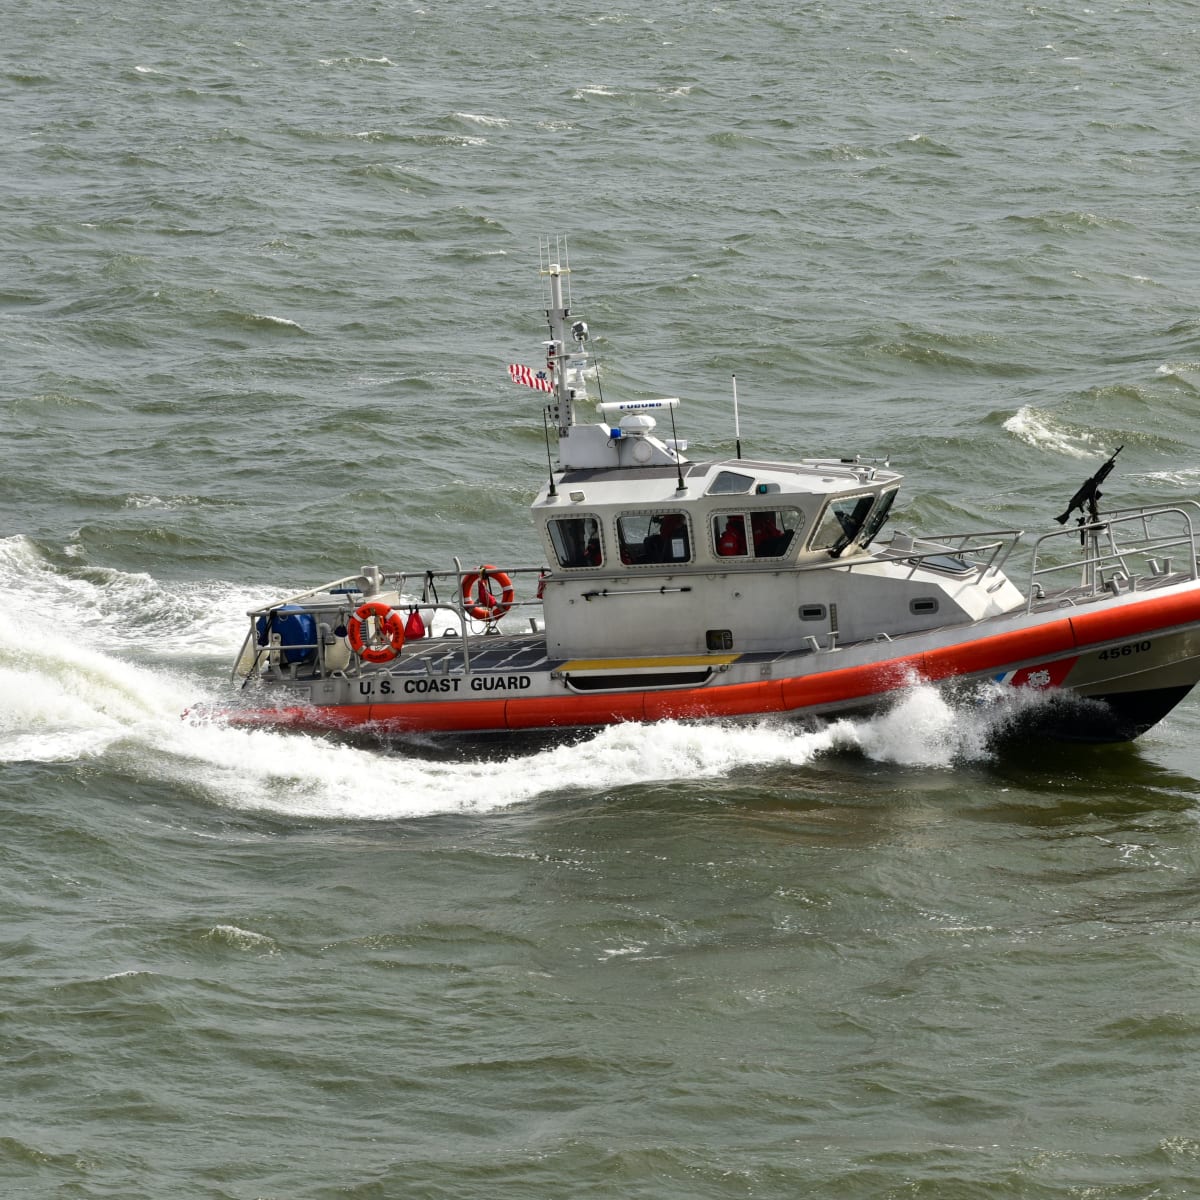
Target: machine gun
column 1090, row 493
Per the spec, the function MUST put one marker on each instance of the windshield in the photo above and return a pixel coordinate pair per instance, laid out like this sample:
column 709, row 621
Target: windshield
column 841, row 523
column 879, row 514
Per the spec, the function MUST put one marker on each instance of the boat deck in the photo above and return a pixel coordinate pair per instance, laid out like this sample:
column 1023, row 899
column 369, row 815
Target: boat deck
column 492, row 652
column 527, row 653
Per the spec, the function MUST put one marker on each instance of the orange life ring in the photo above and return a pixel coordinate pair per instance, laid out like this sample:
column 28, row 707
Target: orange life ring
column 391, row 626
column 480, row 601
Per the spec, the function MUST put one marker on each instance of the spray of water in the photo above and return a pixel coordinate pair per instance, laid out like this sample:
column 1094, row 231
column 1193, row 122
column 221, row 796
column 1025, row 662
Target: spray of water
column 78, row 679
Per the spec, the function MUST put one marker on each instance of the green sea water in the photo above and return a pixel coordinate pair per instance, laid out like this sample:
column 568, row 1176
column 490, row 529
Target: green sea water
column 264, row 268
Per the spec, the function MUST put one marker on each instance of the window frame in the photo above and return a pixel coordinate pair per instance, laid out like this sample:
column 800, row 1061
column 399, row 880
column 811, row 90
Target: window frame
column 650, row 516
column 779, row 513
column 840, row 544
column 554, row 545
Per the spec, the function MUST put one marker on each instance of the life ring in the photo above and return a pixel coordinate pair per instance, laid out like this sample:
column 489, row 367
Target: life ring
column 480, row 601
column 391, row 626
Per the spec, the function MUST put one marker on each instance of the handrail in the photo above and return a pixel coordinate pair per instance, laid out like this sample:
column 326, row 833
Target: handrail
column 920, row 550
column 1114, row 557
column 349, row 584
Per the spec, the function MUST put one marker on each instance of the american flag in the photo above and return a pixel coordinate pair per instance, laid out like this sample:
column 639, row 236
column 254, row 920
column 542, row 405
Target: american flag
column 520, row 374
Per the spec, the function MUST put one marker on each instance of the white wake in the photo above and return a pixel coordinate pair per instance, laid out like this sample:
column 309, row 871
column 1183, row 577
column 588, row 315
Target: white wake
column 78, row 680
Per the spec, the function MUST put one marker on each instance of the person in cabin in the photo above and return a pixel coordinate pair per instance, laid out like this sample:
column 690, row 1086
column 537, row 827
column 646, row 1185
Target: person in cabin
column 732, row 541
column 768, row 537
column 669, row 544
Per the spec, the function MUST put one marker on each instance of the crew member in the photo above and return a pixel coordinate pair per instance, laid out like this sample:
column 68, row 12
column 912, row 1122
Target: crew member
column 733, row 541
column 766, row 534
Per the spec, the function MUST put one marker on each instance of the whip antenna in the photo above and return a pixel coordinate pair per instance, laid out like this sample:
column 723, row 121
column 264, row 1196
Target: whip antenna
column 675, row 451
column 737, row 428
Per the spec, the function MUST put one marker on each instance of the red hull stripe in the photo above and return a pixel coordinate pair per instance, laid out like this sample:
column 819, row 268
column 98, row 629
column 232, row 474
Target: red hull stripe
column 1132, row 620
column 986, row 655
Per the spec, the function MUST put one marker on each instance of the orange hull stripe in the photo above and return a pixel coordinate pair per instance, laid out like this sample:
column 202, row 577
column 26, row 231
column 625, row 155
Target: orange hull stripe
column 1000, row 650
column 1112, row 624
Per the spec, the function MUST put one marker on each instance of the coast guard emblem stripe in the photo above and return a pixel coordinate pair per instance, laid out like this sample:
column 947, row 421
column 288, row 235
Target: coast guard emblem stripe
column 524, row 375
column 1045, row 675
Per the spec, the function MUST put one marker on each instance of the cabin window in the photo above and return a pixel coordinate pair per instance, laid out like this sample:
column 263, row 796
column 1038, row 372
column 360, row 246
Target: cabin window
column 718, row 639
column 730, row 483
column 761, row 533
column 923, row 605
column 729, row 535
column 812, row 612
column 576, row 541
column 772, row 531
column 842, row 523
column 654, row 538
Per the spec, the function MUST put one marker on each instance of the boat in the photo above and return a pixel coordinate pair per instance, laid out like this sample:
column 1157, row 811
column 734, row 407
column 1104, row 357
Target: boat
column 732, row 588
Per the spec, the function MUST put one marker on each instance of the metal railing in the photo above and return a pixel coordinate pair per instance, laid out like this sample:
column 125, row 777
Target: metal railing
column 975, row 555
column 356, row 589
column 1116, row 553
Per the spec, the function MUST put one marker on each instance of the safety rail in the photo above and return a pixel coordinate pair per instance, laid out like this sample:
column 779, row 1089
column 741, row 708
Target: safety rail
column 979, row 554
column 357, row 590
column 1106, row 562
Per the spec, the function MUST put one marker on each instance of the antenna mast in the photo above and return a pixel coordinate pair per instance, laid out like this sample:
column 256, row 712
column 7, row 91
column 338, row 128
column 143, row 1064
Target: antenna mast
column 555, row 265
column 737, row 429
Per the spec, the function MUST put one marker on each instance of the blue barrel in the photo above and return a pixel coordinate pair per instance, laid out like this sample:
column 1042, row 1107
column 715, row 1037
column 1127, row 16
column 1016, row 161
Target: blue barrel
column 297, row 631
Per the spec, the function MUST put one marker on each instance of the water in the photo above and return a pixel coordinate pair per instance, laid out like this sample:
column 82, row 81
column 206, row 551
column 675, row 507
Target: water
column 264, row 268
